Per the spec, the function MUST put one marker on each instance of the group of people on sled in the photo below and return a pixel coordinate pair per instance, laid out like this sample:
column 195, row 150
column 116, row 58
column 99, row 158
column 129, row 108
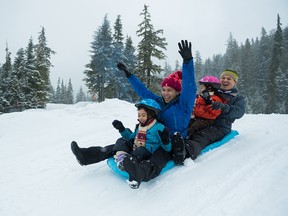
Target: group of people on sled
column 174, row 126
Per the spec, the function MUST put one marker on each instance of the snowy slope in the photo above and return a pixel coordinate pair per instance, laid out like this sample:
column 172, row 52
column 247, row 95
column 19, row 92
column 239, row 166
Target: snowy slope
column 40, row 176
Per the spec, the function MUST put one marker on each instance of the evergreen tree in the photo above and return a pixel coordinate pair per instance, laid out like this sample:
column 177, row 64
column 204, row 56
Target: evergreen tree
column 34, row 92
column 58, row 92
column 18, row 81
column 231, row 56
column 177, row 66
column 263, row 59
column 43, row 55
column 130, row 60
column 274, row 86
column 116, row 85
column 69, row 94
column 117, row 41
column 217, row 65
column 198, row 66
column 100, row 68
column 284, row 66
column 207, row 67
column 51, row 94
column 167, row 69
column 151, row 45
column 63, row 93
column 6, row 72
column 81, row 96
column 248, row 74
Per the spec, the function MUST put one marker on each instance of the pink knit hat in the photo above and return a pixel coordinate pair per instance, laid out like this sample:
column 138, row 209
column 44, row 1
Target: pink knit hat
column 174, row 81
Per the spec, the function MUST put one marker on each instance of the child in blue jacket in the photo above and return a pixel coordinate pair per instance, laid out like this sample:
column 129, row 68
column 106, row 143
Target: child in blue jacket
column 148, row 136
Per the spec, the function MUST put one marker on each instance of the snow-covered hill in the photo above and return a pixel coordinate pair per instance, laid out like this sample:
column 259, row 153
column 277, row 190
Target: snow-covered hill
column 40, row 176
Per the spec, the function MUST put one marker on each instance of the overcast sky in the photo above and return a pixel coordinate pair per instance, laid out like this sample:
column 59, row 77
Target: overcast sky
column 70, row 25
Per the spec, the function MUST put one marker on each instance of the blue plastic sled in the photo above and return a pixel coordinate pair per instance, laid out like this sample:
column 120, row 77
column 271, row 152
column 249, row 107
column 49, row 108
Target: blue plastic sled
column 112, row 164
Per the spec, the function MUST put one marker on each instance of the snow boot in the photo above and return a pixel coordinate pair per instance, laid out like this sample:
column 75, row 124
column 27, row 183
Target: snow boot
column 178, row 148
column 136, row 173
column 77, row 152
column 193, row 149
column 91, row 155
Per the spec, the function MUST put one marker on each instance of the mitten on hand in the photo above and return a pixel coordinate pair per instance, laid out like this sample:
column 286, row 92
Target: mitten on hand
column 123, row 68
column 185, row 51
column 206, row 96
column 220, row 106
column 164, row 135
column 118, row 125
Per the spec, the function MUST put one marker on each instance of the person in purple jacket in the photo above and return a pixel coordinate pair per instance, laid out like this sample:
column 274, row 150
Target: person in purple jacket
column 176, row 102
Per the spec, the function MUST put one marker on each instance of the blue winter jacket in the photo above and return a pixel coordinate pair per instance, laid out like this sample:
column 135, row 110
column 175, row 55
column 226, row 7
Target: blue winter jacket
column 153, row 140
column 176, row 114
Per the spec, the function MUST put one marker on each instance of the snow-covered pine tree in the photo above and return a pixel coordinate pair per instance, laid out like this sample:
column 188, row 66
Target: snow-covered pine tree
column 43, row 64
column 98, row 71
column 151, row 46
column 275, row 88
column 6, row 72
column 35, row 95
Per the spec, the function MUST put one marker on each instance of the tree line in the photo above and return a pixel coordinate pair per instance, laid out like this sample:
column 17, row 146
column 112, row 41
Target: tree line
column 25, row 83
column 261, row 64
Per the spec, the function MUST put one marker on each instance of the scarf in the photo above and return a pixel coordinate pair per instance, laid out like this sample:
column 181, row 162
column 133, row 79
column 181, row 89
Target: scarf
column 140, row 138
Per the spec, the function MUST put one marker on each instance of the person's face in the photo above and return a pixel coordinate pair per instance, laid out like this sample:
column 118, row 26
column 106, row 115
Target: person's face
column 169, row 94
column 227, row 82
column 142, row 116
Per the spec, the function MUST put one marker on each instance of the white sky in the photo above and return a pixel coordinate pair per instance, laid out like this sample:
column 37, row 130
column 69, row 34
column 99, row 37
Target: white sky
column 70, row 25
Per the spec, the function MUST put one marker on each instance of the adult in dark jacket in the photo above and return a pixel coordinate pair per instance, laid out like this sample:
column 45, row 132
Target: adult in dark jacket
column 232, row 108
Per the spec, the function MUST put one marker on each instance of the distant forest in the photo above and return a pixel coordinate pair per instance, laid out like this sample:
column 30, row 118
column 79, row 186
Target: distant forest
column 262, row 65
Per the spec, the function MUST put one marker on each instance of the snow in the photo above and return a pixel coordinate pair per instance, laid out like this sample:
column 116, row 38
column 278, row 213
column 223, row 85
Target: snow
column 40, row 176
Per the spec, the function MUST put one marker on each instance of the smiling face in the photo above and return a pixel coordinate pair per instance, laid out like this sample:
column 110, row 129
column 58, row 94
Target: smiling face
column 169, row 94
column 227, row 82
column 142, row 116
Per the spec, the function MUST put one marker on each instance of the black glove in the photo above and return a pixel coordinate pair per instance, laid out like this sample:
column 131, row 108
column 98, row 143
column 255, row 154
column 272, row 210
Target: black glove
column 220, row 106
column 185, row 51
column 206, row 96
column 123, row 68
column 118, row 125
column 164, row 135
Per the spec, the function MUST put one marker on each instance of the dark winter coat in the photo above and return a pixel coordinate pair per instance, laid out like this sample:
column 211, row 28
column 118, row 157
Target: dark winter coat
column 222, row 124
column 176, row 114
column 237, row 109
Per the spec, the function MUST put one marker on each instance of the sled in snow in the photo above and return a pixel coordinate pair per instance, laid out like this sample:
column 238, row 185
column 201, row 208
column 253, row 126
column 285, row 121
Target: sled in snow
column 112, row 164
